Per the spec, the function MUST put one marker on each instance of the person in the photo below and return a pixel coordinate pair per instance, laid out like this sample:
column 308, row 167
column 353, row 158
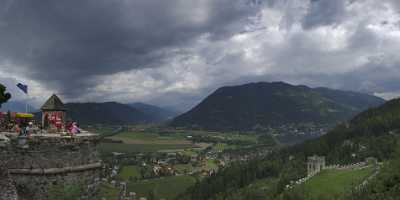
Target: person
column 29, row 129
column 17, row 129
column 69, row 126
column 23, row 127
column 75, row 129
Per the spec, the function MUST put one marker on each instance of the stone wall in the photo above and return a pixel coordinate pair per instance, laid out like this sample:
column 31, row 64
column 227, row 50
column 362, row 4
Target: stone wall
column 39, row 163
column 7, row 189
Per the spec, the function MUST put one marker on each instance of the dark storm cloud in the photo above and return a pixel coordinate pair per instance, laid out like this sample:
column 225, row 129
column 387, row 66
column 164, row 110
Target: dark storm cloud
column 175, row 52
column 66, row 44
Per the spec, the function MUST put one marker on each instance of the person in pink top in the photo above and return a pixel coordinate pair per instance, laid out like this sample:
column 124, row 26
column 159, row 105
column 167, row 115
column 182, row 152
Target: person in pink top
column 75, row 129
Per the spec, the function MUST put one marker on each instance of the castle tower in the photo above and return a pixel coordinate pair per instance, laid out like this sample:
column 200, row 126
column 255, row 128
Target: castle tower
column 53, row 114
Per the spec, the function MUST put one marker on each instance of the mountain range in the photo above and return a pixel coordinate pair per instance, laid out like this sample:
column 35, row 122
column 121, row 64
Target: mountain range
column 117, row 113
column 103, row 113
column 157, row 113
column 17, row 106
column 272, row 104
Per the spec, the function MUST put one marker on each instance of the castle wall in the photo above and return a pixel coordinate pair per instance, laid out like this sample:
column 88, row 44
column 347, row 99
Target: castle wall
column 7, row 189
column 38, row 187
column 42, row 162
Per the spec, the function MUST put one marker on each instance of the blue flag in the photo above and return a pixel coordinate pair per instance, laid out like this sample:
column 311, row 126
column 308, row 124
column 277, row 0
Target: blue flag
column 23, row 87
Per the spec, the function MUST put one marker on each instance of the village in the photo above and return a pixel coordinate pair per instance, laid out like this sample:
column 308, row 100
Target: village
column 193, row 163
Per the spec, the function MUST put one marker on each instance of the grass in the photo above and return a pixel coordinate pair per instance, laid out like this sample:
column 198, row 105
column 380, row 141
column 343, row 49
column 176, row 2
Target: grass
column 129, row 172
column 134, row 142
column 108, row 192
column 149, row 138
column 184, row 168
column 135, row 148
column 223, row 146
column 211, row 164
column 164, row 188
column 335, row 183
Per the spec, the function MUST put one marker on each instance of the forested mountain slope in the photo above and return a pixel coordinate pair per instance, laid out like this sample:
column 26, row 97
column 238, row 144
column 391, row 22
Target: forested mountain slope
column 270, row 104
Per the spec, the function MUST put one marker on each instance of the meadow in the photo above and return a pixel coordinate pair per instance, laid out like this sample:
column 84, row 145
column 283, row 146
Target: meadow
column 108, row 192
column 129, row 172
column 162, row 188
column 137, row 148
column 143, row 141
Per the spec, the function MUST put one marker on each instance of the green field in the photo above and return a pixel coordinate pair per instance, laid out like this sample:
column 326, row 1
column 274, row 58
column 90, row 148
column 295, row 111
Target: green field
column 133, row 142
column 184, row 168
column 211, row 164
column 129, row 172
column 223, row 146
column 135, row 148
column 108, row 192
column 335, row 183
column 167, row 188
column 148, row 136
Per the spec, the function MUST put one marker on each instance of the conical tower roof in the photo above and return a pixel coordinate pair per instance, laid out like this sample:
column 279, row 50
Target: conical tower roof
column 53, row 104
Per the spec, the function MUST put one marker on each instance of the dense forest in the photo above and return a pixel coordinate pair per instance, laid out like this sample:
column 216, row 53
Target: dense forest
column 371, row 133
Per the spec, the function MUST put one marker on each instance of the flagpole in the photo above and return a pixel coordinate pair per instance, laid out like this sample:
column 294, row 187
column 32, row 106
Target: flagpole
column 27, row 105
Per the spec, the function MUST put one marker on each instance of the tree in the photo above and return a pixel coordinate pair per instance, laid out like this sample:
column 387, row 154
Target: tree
column 4, row 97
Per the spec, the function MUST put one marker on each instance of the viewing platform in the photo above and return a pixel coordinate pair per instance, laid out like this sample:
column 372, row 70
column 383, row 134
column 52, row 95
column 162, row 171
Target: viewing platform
column 36, row 157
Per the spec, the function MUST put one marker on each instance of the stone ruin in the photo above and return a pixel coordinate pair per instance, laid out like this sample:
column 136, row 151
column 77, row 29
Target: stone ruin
column 315, row 164
column 30, row 166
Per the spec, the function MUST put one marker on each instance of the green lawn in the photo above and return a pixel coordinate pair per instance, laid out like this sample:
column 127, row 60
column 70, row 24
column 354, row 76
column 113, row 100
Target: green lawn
column 129, row 172
column 167, row 187
column 334, row 183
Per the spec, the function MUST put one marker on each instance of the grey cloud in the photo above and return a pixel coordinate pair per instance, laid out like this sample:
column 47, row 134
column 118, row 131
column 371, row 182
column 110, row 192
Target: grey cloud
column 324, row 12
column 66, row 44
column 70, row 46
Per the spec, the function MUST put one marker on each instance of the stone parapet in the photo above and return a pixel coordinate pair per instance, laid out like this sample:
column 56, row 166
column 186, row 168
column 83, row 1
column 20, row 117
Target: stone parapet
column 36, row 163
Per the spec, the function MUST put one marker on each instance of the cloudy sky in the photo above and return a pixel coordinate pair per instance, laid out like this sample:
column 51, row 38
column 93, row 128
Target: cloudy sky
column 175, row 52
